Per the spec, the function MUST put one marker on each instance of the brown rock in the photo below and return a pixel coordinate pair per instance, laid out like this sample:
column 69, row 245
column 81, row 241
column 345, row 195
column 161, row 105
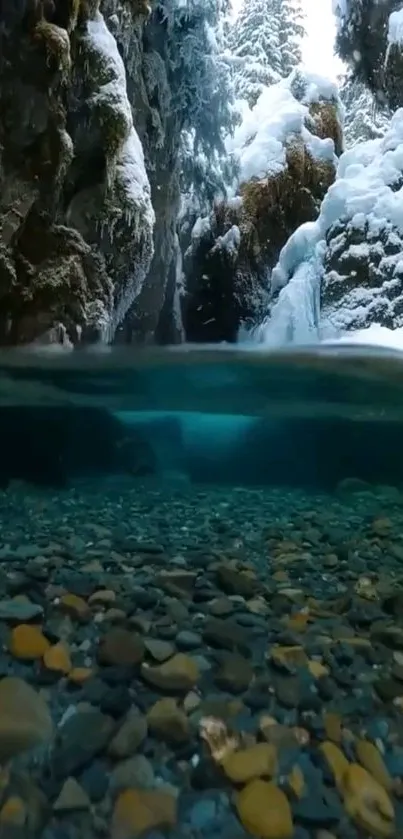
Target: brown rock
column 57, row 658
column 168, row 721
column 179, row 673
column 130, row 736
column 28, row 642
column 264, row 811
column 121, row 647
column 76, row 607
column 285, row 657
column 227, row 635
column 13, row 814
column 138, row 811
column 79, row 675
column 234, row 674
column 177, row 581
column 259, row 761
column 25, row 721
column 104, row 597
column 232, row 581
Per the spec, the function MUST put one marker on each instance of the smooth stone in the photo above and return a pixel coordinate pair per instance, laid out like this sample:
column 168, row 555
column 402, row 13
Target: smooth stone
column 138, row 811
column 72, row 797
column 159, row 650
column 264, row 811
column 234, row 674
column 25, row 720
column 83, row 736
column 136, row 771
column 187, row 640
column 255, row 762
column 168, row 721
column 121, row 647
column 20, row 611
column 203, row 814
column 179, row 673
column 130, row 736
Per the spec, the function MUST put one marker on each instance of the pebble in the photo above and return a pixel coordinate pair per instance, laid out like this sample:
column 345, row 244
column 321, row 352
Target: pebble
column 25, row 719
column 264, row 811
column 231, row 675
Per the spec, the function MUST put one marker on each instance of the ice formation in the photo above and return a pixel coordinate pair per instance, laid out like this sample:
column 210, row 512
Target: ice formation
column 352, row 255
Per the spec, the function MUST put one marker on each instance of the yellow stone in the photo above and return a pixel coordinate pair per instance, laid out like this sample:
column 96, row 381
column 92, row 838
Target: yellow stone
column 137, row 811
column 286, row 656
column 317, row 670
column 371, row 759
column 78, row 675
column 336, row 760
column 57, row 658
column 332, row 723
column 264, row 811
column 259, row 761
column 75, row 606
column 296, row 781
column 298, row 622
column 178, row 673
column 367, row 802
column 28, row 642
column 13, row 812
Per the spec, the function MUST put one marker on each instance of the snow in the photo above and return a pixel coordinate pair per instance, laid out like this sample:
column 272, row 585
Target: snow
column 201, row 227
column 127, row 180
column 230, row 241
column 395, row 28
column 259, row 142
column 367, row 197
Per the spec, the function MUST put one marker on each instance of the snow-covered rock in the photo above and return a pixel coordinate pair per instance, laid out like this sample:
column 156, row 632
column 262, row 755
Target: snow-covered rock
column 285, row 150
column 344, row 272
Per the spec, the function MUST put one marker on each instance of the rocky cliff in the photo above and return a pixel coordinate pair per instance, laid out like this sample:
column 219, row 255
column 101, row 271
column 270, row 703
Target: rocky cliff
column 88, row 199
column 286, row 149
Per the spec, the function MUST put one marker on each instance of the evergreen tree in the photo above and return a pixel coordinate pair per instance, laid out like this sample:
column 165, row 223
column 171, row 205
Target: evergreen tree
column 266, row 44
column 364, row 118
column 255, row 46
column 291, row 33
column 202, row 88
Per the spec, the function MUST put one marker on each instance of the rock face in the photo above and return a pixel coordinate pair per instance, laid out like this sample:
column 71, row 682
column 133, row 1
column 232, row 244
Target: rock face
column 230, row 254
column 362, row 267
column 78, row 229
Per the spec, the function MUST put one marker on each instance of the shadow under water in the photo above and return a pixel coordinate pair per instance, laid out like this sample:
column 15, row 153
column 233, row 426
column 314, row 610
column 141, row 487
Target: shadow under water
column 201, row 594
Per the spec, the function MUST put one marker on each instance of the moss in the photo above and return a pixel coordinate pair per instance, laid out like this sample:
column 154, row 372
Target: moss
column 56, row 43
column 141, row 8
column 325, row 123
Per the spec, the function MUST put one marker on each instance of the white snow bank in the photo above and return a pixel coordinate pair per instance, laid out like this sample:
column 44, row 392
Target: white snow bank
column 259, row 141
column 375, row 335
column 367, row 197
column 395, row 27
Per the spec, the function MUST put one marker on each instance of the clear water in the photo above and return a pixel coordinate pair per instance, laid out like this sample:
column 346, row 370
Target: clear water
column 238, row 509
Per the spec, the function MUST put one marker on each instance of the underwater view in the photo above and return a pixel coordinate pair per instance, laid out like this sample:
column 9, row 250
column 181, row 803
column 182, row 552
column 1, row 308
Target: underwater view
column 201, row 419
column 201, row 593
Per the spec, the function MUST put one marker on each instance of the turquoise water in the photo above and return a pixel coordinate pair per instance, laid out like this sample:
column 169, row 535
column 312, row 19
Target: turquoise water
column 201, row 552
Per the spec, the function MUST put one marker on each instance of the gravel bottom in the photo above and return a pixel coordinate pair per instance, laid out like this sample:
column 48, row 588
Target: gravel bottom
column 195, row 662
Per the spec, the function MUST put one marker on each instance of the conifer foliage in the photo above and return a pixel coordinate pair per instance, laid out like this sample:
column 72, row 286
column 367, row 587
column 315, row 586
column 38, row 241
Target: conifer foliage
column 265, row 42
